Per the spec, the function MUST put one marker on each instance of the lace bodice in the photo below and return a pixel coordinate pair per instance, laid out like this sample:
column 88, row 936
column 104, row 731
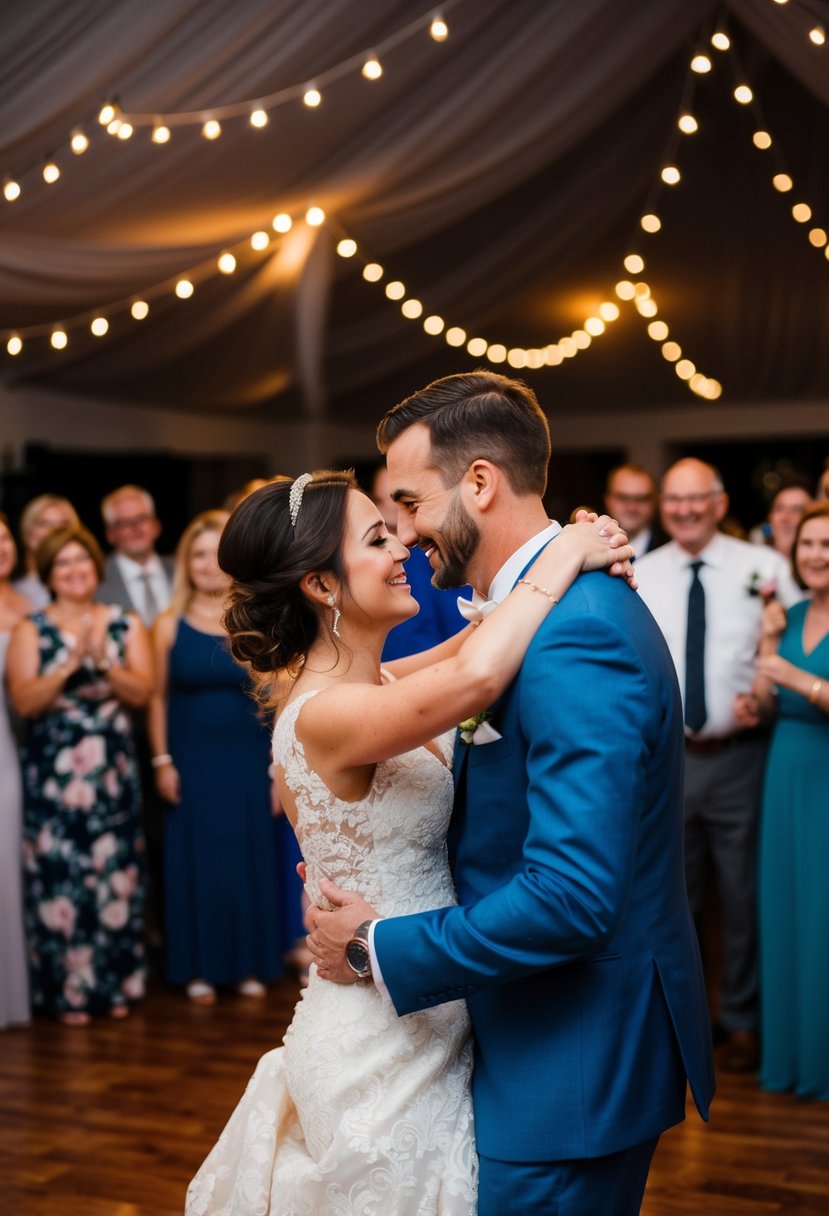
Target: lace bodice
column 390, row 845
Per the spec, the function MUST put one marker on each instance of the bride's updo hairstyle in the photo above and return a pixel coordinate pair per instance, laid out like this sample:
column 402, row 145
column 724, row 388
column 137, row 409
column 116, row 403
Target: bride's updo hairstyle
column 270, row 622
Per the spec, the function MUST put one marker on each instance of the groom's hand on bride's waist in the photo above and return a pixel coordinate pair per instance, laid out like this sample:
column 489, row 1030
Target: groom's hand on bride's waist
column 332, row 931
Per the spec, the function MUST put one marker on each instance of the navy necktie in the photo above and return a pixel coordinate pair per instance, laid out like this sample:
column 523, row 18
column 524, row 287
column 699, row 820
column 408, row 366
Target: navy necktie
column 695, row 711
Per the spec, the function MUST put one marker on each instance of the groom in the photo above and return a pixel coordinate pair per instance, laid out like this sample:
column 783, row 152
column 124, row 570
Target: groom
column 572, row 942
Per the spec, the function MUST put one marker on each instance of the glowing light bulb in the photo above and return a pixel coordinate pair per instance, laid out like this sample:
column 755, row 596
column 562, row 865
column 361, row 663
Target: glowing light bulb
column 581, row 338
column 439, row 30
column 396, row 291
column 58, row 339
column 687, row 124
column 535, row 358
column 642, row 291
column 646, row 308
column 496, row 353
column 411, row 309
column 114, row 127
column 373, row 272
column 713, row 390
column 477, row 347
column 567, row 347
column 78, row 142
column 802, row 213
column 817, row 35
column 51, row 172
column 346, row 248
column 372, row 68
column 634, row 263
column 782, row 182
column 226, row 263
column 609, row 311
column 259, row 241
column 212, row 129
column 720, row 41
column 455, row 336
column 184, row 289
column 658, row 330
column 761, row 140
column 107, row 112
column 99, row 326
column 670, row 175
column 139, row 310
column 594, row 326
column 651, row 223
column 625, row 290
column 124, row 130
column 434, row 325
column 743, row 94
column 312, row 98
column 671, row 351
column 701, row 64
column 817, row 237
column 517, row 357
column 315, row 216
column 161, row 134
column 259, row 118
column 282, row 222
column 552, row 355
column 697, row 383
column 14, row 345
column 11, row 189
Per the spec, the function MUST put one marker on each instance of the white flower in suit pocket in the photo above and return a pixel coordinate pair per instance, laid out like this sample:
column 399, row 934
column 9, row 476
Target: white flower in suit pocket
column 478, row 730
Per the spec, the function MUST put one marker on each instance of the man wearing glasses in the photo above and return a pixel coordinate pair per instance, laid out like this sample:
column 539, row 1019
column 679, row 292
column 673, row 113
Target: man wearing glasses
column 135, row 576
column 630, row 496
column 707, row 591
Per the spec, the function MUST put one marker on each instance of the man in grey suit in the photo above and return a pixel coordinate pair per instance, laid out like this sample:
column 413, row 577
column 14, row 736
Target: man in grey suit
column 135, row 576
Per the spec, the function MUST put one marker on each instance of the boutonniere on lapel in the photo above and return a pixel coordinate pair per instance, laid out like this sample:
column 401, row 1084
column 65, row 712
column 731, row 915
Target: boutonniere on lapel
column 766, row 590
column 478, row 730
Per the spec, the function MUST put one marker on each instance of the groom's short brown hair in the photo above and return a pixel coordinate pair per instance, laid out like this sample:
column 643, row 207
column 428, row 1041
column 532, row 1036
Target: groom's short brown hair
column 477, row 415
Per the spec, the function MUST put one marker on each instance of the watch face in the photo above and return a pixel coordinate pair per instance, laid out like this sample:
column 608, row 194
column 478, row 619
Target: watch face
column 358, row 958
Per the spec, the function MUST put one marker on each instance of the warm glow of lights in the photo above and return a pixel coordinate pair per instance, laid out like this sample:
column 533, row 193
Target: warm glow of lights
column 658, row 330
column 139, row 310
column 161, row 134
column 455, row 336
column 651, row 223
column 594, row 326
column 315, row 216
column 713, row 390
column 625, row 289
column 79, row 142
column 687, row 124
column 826, row 253
column 260, row 240
column 346, row 248
column 568, row 347
column 184, row 289
column 720, row 41
column 782, row 182
column 685, row 369
column 646, row 308
column 743, row 94
column 58, row 339
column 477, row 347
column 282, row 222
column 124, row 130
column 496, row 353
column 412, row 309
column 372, row 68
column 817, row 35
column 517, row 357
column 817, row 237
column 802, row 212
column 226, row 263
column 395, row 290
column 99, row 326
column 581, row 338
column 609, row 311
column 670, row 175
column 14, row 345
column 372, row 272
column 634, row 263
column 212, row 129
column 642, row 291
column 553, row 355
column 11, row 189
column 671, row 351
column 439, row 29
column 434, row 325
column 535, row 358
column 312, row 98
column 113, row 127
column 761, row 140
column 259, row 118
column 701, row 64
column 51, row 172
column 697, row 383
column 107, row 113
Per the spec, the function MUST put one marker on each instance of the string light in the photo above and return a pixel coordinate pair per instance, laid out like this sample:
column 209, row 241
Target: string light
column 282, row 222
column 434, row 325
column 78, row 142
column 455, row 336
column 373, row 272
column 11, row 189
column 743, row 94
column 439, row 30
column 312, row 98
column 761, row 140
column 782, row 182
column 346, row 248
column 99, row 326
column 260, row 241
column 315, row 216
column 161, row 133
column 51, row 172
column 184, row 289
column 139, row 310
column 634, row 263
column 687, row 124
column 59, row 339
column 720, row 40
column 670, row 175
column 108, row 112
column 817, row 35
column 124, row 130
column 700, row 64
column 212, row 129
column 396, row 291
column 226, row 263
column 650, row 223
column 14, row 345
column 372, row 68
column 259, row 118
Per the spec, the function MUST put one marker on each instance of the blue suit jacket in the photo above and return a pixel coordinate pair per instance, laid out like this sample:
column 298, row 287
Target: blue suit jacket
column 573, row 942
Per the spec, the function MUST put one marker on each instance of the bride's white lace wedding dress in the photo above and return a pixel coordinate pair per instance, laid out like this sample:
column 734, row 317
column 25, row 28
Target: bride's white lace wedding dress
column 360, row 1112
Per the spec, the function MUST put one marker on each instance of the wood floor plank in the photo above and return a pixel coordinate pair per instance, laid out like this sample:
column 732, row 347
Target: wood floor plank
column 115, row 1118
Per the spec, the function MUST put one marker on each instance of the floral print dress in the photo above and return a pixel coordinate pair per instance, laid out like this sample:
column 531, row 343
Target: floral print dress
column 82, row 839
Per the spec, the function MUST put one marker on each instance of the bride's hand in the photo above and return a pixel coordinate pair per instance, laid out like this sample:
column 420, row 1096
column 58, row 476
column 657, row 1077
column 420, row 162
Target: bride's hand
column 600, row 544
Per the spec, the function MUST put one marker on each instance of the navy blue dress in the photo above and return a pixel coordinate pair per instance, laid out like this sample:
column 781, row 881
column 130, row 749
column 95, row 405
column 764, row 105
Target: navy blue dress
column 222, row 843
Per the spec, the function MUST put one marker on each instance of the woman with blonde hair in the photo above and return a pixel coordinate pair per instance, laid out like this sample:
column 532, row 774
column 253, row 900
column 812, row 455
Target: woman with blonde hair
column 39, row 517
column 211, row 755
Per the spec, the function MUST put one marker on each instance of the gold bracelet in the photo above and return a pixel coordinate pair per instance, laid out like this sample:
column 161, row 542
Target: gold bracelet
column 815, row 691
column 541, row 590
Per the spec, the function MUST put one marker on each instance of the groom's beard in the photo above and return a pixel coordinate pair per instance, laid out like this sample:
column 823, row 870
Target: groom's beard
column 460, row 538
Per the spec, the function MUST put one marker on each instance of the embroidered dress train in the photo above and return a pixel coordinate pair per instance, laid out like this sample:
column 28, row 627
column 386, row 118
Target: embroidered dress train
column 359, row 1113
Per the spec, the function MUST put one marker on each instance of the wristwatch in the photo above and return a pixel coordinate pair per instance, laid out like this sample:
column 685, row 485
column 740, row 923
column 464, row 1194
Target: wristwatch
column 357, row 952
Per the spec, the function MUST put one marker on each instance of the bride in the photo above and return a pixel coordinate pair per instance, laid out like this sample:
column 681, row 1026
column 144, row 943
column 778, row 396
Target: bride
column 360, row 1112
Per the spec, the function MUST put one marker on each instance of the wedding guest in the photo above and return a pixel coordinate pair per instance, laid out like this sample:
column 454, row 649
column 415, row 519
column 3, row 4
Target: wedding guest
column 211, row 758
column 134, row 575
column 705, row 590
column 40, row 517
column 793, row 677
column 631, row 497
column 788, row 504
column 14, row 983
column 72, row 670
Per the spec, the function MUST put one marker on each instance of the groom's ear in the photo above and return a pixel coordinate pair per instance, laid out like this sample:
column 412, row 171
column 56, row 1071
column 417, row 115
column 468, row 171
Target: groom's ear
column 480, row 483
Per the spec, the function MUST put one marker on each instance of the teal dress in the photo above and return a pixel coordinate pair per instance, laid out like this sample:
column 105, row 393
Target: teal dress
column 793, row 891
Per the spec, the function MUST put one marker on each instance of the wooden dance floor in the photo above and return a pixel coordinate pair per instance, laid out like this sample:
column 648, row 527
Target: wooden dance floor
column 113, row 1120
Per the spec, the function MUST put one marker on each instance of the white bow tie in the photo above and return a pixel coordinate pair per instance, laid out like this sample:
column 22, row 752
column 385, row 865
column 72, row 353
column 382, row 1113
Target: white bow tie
column 476, row 609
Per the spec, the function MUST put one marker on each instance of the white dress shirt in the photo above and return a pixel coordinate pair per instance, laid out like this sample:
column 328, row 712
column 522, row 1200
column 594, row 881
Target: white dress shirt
column 133, row 574
column 499, row 589
column 639, row 543
column 732, row 614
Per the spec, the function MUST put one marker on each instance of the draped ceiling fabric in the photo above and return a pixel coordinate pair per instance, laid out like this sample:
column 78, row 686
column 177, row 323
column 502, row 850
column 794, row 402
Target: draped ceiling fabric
column 500, row 174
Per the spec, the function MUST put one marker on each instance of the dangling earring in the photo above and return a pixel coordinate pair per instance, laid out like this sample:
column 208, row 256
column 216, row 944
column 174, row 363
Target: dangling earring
column 332, row 603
